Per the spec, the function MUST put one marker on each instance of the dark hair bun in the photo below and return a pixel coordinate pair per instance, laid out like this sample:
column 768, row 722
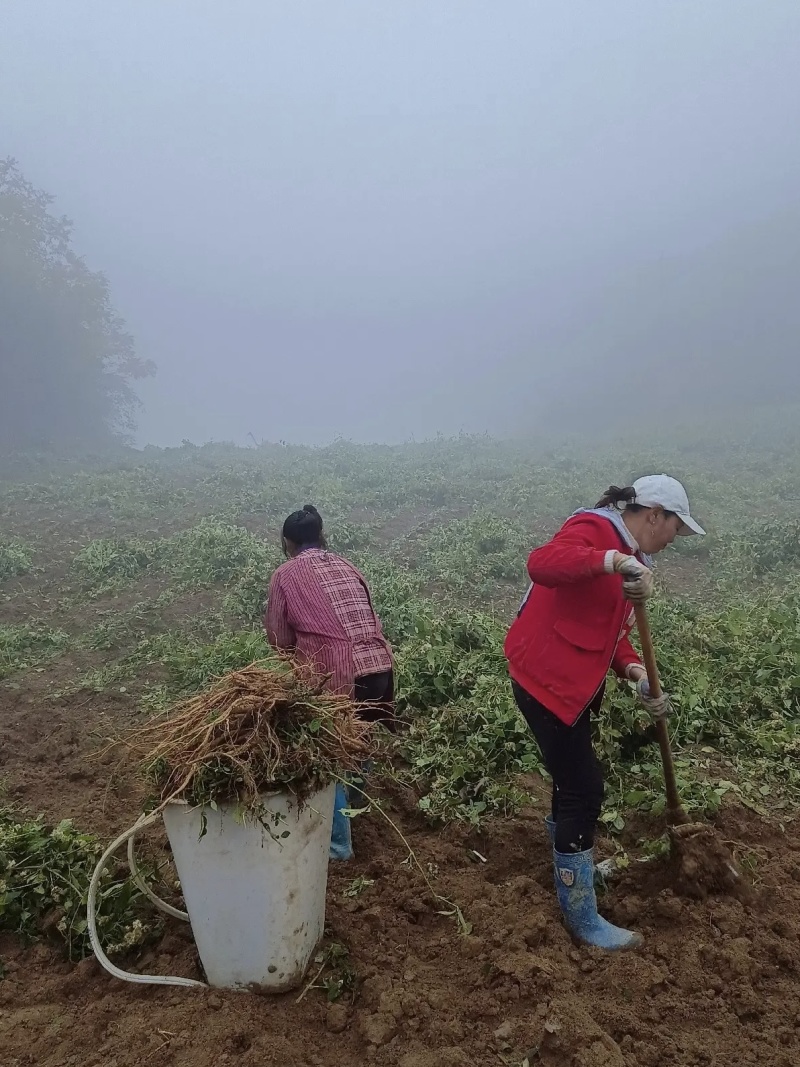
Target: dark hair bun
column 304, row 527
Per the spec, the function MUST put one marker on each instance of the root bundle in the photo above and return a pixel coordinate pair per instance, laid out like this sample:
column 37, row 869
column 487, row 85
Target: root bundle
column 255, row 729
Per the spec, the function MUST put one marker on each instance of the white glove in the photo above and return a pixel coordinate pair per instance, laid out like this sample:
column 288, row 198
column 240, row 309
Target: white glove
column 658, row 707
column 638, row 583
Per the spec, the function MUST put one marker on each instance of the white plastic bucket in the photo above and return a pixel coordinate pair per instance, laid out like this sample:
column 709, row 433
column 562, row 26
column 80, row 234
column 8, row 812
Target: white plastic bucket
column 256, row 900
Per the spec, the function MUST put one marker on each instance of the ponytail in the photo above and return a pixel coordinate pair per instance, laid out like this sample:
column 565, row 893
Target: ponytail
column 614, row 497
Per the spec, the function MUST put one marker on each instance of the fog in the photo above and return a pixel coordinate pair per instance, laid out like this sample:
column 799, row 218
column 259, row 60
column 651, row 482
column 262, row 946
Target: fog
column 384, row 220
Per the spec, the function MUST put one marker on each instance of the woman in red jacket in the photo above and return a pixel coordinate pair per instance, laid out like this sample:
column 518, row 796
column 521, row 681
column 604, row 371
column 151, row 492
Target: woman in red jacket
column 574, row 624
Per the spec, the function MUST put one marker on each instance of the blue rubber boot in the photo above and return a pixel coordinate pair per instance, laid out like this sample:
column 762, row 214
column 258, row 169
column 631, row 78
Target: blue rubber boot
column 578, row 903
column 602, row 871
column 341, row 834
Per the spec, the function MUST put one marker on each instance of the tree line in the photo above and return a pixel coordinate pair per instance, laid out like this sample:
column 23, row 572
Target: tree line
column 67, row 362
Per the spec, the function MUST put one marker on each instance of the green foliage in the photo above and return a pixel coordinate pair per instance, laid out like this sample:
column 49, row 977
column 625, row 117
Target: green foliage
column 358, row 886
column 445, row 655
column 117, row 628
column 16, row 558
column 730, row 657
column 336, row 976
column 132, row 492
column 734, row 667
column 765, row 546
column 247, row 595
column 111, row 559
column 28, row 645
column 395, row 595
column 211, row 553
column 191, row 666
column 345, row 537
column 184, row 662
column 44, row 882
column 474, row 555
column 733, row 673
column 465, row 755
column 217, row 552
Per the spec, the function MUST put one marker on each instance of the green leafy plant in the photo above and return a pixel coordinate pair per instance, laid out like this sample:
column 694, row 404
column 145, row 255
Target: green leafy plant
column 186, row 662
column 28, row 646
column 112, row 559
column 44, row 881
column 357, row 886
column 765, row 546
column 472, row 556
column 341, row 978
column 214, row 551
column 16, row 558
column 464, row 758
column 192, row 665
column 441, row 529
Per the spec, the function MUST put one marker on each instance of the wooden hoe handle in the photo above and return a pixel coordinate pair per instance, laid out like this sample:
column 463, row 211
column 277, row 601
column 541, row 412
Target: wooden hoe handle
column 675, row 812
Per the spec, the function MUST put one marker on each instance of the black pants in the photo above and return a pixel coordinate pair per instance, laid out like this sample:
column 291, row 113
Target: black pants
column 575, row 769
column 375, row 692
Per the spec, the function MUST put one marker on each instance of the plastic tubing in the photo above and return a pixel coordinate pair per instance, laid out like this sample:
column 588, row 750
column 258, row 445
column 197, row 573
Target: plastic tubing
column 143, row 886
column 91, row 912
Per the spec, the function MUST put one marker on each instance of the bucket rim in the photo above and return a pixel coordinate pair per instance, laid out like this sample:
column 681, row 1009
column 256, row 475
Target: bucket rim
column 177, row 803
column 266, row 795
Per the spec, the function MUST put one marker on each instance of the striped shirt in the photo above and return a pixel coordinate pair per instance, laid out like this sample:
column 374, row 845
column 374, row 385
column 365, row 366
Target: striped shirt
column 320, row 608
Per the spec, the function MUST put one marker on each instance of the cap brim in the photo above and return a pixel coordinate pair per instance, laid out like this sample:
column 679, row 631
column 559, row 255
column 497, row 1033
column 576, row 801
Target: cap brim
column 690, row 527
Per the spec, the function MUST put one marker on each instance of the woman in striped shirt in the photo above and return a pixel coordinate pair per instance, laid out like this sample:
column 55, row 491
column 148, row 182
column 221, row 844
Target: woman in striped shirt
column 320, row 609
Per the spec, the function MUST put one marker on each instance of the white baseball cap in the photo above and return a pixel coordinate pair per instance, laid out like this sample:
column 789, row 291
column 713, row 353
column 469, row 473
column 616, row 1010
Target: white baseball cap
column 659, row 490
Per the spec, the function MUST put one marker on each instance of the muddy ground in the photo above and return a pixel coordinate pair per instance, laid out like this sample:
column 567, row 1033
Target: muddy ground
column 717, row 982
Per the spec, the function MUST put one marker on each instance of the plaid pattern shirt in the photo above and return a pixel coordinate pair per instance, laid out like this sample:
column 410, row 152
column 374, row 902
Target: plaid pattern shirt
column 319, row 607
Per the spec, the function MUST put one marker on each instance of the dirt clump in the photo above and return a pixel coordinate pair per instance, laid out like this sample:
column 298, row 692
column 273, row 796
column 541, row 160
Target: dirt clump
column 702, row 864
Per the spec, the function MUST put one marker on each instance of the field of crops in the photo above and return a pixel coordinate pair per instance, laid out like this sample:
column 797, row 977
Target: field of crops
column 128, row 582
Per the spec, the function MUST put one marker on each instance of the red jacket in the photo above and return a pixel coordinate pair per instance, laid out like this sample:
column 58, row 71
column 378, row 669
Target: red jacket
column 575, row 623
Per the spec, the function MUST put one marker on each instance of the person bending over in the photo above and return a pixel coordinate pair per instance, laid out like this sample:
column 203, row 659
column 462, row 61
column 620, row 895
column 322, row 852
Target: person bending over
column 319, row 608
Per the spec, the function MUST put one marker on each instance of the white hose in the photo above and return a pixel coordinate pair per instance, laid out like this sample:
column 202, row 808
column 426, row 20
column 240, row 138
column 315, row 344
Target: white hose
column 143, row 886
column 91, row 915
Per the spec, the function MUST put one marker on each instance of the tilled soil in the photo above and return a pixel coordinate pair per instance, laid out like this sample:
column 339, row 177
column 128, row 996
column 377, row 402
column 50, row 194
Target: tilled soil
column 717, row 982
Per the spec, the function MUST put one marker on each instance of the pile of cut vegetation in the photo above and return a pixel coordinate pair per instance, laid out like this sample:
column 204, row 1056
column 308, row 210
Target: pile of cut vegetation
column 264, row 727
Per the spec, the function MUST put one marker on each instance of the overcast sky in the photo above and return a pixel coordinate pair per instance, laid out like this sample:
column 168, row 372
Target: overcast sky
column 388, row 218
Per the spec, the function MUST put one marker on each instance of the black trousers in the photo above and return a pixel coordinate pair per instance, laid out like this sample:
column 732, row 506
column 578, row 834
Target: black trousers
column 575, row 769
column 375, row 692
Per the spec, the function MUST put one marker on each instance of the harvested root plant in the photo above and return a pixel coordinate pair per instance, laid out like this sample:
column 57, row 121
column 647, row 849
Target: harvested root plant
column 261, row 728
